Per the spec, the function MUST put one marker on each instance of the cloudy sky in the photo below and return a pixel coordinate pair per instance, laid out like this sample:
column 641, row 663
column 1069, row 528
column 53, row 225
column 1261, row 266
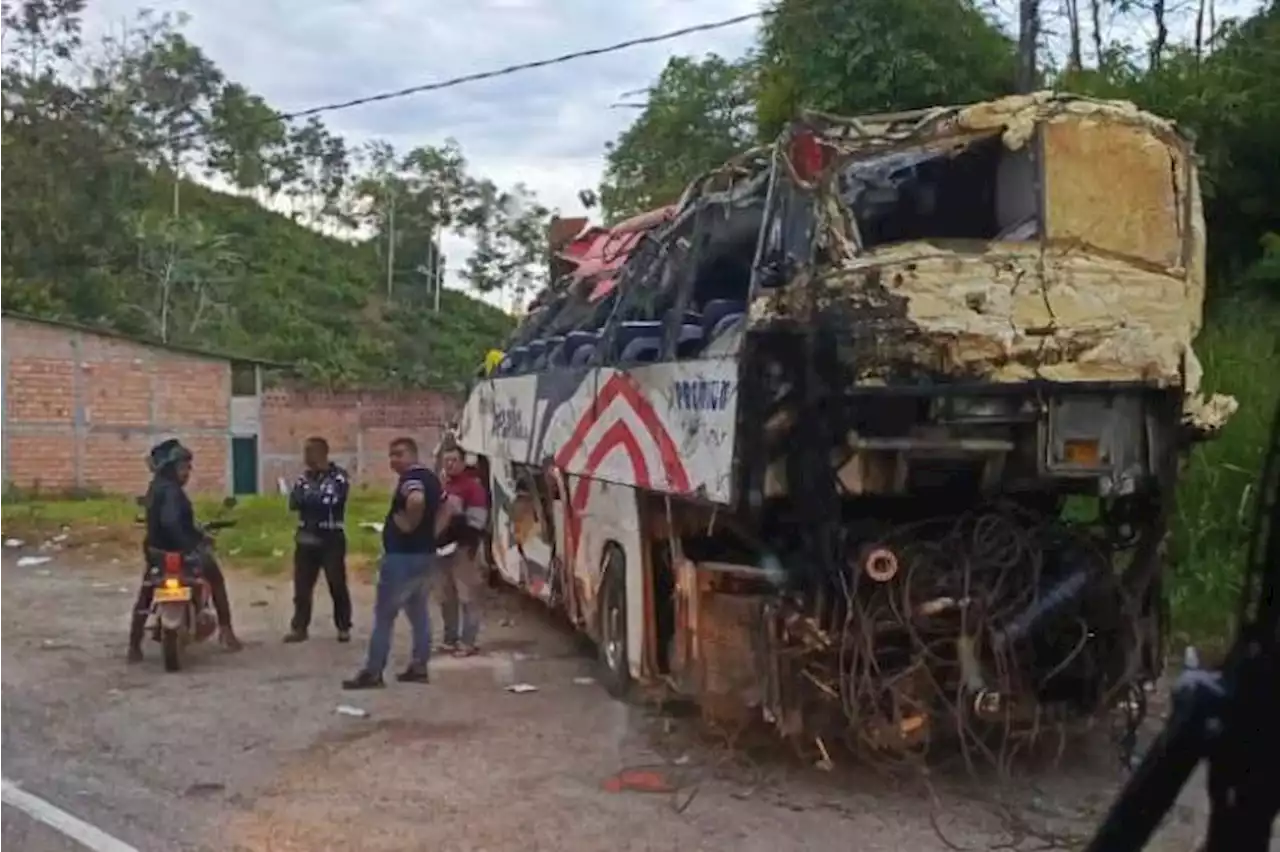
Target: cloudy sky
column 546, row 128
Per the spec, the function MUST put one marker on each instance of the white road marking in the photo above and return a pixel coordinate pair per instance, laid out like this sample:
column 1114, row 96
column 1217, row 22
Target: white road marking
column 59, row 820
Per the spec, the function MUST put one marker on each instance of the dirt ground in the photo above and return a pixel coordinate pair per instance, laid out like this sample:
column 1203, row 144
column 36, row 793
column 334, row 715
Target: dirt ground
column 247, row 752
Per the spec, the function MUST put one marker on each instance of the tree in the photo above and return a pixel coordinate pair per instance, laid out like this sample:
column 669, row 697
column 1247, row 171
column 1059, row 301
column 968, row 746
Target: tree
column 698, row 114
column 510, row 233
column 188, row 269
column 174, row 85
column 243, row 132
column 861, row 56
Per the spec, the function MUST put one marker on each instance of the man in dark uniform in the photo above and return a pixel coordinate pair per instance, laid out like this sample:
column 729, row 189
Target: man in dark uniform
column 417, row 515
column 320, row 544
column 171, row 526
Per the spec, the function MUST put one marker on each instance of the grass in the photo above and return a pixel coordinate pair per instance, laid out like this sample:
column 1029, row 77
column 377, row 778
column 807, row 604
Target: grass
column 261, row 540
column 1238, row 348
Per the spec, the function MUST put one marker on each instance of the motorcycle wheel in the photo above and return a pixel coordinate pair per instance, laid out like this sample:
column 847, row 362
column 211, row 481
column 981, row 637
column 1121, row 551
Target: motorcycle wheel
column 171, row 648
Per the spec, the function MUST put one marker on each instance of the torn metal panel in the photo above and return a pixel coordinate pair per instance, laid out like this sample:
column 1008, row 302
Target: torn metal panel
column 1091, row 267
column 1003, row 313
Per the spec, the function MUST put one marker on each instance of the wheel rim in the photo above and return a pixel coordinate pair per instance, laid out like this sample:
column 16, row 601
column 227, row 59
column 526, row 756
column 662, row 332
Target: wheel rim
column 613, row 637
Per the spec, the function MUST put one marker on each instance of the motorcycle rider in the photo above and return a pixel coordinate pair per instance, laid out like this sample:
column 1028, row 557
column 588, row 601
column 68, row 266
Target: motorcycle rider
column 171, row 527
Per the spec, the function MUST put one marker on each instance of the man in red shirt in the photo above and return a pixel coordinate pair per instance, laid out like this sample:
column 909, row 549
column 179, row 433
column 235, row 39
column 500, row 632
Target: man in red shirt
column 461, row 574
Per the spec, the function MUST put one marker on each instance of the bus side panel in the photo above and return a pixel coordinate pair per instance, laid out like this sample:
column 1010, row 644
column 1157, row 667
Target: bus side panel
column 665, row 427
column 682, row 417
column 610, row 516
column 506, row 552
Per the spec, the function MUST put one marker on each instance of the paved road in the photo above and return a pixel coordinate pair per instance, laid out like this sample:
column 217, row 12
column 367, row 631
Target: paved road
column 246, row 752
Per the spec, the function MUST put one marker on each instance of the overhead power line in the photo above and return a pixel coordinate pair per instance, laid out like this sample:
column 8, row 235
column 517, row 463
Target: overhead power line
column 475, row 77
column 520, row 67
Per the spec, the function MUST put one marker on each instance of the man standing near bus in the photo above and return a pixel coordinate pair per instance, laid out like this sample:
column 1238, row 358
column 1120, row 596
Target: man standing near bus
column 417, row 516
column 320, row 544
column 461, row 577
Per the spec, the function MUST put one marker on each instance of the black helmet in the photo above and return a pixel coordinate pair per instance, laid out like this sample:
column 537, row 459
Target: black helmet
column 167, row 453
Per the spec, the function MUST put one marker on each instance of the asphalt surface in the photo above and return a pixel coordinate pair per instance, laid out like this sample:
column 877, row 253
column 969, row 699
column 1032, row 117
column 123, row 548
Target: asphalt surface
column 247, row 752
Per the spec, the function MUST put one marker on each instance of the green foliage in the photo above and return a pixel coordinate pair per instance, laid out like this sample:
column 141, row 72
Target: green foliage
column 698, row 114
column 100, row 224
column 1240, row 347
column 853, row 57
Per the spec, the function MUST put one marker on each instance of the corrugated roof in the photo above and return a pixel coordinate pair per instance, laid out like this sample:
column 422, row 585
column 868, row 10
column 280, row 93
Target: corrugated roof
column 143, row 341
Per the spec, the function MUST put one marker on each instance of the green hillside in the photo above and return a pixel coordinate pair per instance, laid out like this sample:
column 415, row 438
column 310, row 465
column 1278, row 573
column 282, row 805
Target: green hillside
column 94, row 230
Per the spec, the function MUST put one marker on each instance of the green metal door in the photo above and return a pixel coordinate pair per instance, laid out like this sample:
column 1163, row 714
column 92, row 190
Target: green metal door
column 244, row 465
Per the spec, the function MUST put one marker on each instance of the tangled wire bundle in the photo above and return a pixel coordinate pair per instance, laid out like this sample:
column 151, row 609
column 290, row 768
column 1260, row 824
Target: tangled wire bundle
column 984, row 630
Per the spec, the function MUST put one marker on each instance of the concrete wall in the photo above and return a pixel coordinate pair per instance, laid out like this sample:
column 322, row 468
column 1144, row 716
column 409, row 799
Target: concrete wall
column 81, row 410
column 358, row 425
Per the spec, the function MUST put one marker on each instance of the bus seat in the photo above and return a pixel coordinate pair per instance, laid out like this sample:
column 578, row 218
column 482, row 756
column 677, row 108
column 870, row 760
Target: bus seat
column 536, row 348
column 690, row 341
column 642, row 350
column 554, row 354
column 727, row 322
column 575, row 339
column 639, row 340
column 716, row 310
column 518, row 356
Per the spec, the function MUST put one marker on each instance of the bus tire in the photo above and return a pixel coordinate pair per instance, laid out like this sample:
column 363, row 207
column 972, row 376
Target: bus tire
column 612, row 609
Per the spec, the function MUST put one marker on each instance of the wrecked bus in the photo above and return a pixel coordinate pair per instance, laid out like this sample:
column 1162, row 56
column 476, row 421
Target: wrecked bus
column 874, row 434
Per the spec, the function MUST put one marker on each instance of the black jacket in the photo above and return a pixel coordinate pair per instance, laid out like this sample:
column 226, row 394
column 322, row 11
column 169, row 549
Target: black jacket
column 171, row 522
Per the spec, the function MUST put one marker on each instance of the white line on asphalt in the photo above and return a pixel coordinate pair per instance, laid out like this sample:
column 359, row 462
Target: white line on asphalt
column 78, row 830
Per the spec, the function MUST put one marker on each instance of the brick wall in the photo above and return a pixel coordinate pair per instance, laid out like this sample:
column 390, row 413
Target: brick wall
column 358, row 425
column 82, row 409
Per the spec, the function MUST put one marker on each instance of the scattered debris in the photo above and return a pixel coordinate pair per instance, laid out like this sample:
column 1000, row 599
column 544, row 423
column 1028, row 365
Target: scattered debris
column 204, row 788
column 376, row 526
column 13, row 542
column 683, row 760
column 56, row 645
column 825, row 763
column 277, row 553
column 32, row 561
column 521, row 688
column 259, row 603
column 356, row 712
column 59, row 539
column 584, row 681
column 507, row 622
column 638, row 781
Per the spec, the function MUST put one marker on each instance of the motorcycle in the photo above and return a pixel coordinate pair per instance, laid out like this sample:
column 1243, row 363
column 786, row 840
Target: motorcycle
column 181, row 598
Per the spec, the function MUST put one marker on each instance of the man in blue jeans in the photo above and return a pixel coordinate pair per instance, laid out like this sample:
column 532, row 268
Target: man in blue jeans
column 417, row 515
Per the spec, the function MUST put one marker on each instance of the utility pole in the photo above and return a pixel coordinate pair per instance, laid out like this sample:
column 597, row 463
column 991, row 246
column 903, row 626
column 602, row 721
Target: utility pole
column 1028, row 39
column 391, row 241
column 437, row 269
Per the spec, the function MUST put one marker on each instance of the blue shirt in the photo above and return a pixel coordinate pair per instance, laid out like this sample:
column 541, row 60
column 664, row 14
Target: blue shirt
column 421, row 539
column 320, row 499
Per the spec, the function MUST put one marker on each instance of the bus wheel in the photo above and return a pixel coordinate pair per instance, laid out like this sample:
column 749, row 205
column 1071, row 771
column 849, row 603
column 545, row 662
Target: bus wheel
column 616, row 673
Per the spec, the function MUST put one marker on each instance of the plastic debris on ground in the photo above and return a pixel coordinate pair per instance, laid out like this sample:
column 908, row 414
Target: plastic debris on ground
column 584, row 681
column 13, row 542
column 32, row 561
column 638, row 781
column 355, row 712
column 521, row 688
